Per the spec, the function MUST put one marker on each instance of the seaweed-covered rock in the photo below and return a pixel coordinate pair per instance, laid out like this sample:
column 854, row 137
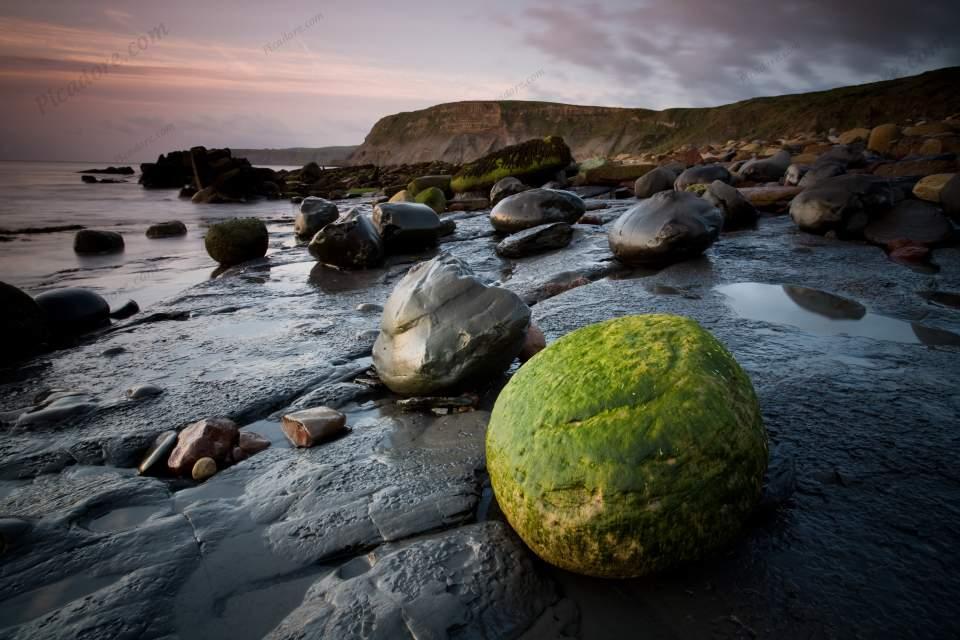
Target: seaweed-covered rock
column 315, row 213
column 657, row 180
column 92, row 241
column 433, row 198
column 169, row 229
column 443, row 327
column 73, row 311
column 669, row 227
column 534, row 161
column 505, row 188
column 238, row 240
column 737, row 211
column 406, row 225
column 536, row 207
column 402, row 196
column 628, row 447
column 702, row 174
column 545, row 237
column 422, row 183
column 23, row 324
column 352, row 242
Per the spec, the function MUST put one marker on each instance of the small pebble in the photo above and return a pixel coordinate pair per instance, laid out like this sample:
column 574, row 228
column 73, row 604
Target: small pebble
column 203, row 469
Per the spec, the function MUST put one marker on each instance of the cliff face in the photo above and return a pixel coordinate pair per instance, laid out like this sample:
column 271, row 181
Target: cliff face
column 464, row 131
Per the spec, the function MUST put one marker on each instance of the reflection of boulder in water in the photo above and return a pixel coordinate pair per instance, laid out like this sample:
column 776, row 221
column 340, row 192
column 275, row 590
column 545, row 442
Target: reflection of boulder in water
column 334, row 280
column 943, row 298
column 932, row 336
column 825, row 304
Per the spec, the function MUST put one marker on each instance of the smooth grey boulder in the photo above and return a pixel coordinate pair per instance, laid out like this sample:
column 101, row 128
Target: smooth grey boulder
column 535, row 240
column 315, row 213
column 74, row 311
column 23, row 324
column 843, row 204
column 737, row 211
column 767, row 169
column 915, row 221
column 820, row 171
column 669, row 227
column 478, row 580
column 352, row 242
column 92, row 241
column 442, row 328
column 702, row 174
column 535, row 207
column 660, row 179
column 505, row 187
column 406, row 225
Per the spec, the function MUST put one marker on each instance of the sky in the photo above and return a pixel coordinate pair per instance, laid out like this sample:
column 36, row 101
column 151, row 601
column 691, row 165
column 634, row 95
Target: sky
column 125, row 81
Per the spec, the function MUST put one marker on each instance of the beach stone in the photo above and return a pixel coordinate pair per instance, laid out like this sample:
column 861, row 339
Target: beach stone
column 252, row 443
column 211, row 437
column 237, row 240
column 930, row 147
column 91, row 241
column 442, row 327
column 369, row 307
column 536, row 207
column 506, row 187
column 203, row 469
column 842, row 204
column 919, row 167
column 766, row 170
column 882, row 137
column 315, row 213
column 628, row 447
column 929, row 188
column 657, row 180
column 310, row 427
column 668, row 227
column 143, row 391
column 904, row 252
column 74, row 311
column 406, row 225
column 169, row 229
column 533, row 343
column 352, row 242
column 822, row 170
column 535, row 240
column 928, row 129
column 23, row 324
column 124, row 311
column 950, row 198
column 737, row 211
column 58, row 409
column 433, row 198
column 606, row 172
column 422, row 183
column 402, row 196
column 854, row 135
column 915, row 221
column 795, row 173
column 162, row 445
column 702, row 174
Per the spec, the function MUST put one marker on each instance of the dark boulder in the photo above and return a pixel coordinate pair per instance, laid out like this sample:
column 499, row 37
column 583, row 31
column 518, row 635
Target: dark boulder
column 766, row 170
column 315, row 213
column 534, row 161
column 950, row 198
column 406, row 225
column 237, row 240
column 504, row 188
column 660, row 179
column 545, row 237
column 702, row 174
column 169, row 229
column 352, row 242
column 737, row 211
column 124, row 311
column 536, row 207
column 92, row 241
column 913, row 221
column 668, row 227
column 843, row 204
column 73, row 311
column 23, row 325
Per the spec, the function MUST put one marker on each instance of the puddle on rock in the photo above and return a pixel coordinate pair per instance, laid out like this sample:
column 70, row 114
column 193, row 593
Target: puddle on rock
column 126, row 518
column 825, row 314
column 942, row 298
column 33, row 604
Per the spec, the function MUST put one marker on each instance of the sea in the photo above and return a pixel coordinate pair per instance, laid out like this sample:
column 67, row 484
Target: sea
column 43, row 195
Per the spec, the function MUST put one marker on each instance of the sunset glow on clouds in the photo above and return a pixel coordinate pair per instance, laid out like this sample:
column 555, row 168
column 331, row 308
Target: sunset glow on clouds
column 253, row 74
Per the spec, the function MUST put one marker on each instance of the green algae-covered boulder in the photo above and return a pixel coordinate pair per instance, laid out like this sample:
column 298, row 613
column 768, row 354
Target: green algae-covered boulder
column 627, row 447
column 237, row 240
column 433, row 198
column 442, row 182
column 534, row 161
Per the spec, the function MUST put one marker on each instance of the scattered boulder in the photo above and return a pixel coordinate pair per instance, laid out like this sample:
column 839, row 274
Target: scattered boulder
column 204, row 468
column 536, row 207
column 506, row 187
column 73, row 311
column 766, row 170
column 143, row 391
column 23, row 324
column 315, row 213
column 882, row 137
column 915, row 221
column 169, row 229
column 310, row 427
column 919, row 167
column 607, row 172
column 703, row 174
column 545, row 237
column 822, row 170
column 429, row 182
column 930, row 187
column 795, row 173
column 406, row 225
column 668, row 227
column 209, row 438
column 442, row 327
column 433, row 198
column 91, row 241
column 352, row 242
column 671, row 429
column 854, row 135
column 162, row 445
column 124, row 311
column 534, row 161
column 657, row 180
column 737, row 211
column 843, row 204
column 237, row 240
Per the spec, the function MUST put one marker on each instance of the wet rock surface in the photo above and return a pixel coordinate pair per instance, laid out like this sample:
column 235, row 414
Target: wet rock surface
column 536, row 240
column 668, row 227
column 315, row 213
column 863, row 544
column 352, row 242
column 536, row 207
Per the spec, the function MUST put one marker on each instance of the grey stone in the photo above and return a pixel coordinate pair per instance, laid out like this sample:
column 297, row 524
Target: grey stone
column 766, row 170
column 660, row 179
column 915, row 221
column 534, row 240
column 315, row 213
column 406, row 225
column 843, row 204
column 506, row 187
column 352, row 242
column 74, row 311
column 702, row 174
column 668, row 227
column 535, row 207
column 737, row 211
column 92, row 241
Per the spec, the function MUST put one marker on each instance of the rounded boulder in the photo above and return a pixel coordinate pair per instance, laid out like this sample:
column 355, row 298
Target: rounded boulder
column 237, row 240
column 536, row 207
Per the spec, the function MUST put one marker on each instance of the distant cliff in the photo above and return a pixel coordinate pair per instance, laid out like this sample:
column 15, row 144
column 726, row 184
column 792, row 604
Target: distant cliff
column 297, row 156
column 463, row 131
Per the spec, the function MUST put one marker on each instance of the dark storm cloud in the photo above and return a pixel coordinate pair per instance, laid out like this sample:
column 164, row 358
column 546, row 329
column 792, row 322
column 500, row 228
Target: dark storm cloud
column 704, row 52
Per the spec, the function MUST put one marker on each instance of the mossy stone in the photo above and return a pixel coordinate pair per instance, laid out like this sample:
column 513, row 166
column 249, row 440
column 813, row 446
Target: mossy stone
column 433, row 198
column 534, row 161
column 238, row 240
column 627, row 447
